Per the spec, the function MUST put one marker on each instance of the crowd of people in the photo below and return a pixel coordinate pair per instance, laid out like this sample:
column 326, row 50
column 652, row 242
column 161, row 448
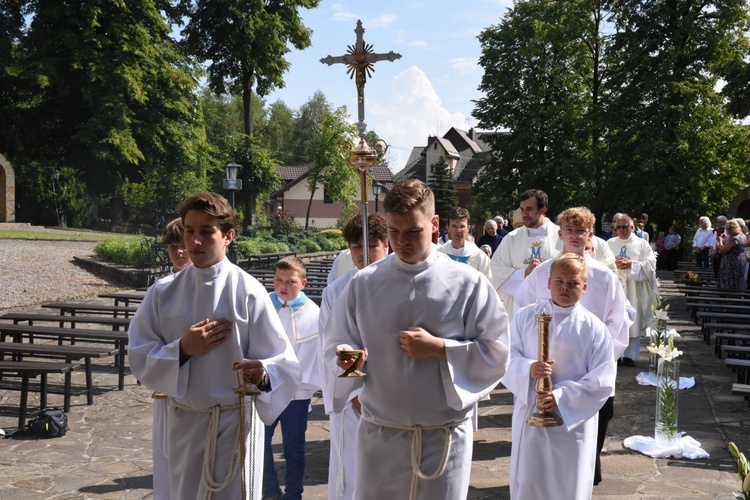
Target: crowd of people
column 431, row 324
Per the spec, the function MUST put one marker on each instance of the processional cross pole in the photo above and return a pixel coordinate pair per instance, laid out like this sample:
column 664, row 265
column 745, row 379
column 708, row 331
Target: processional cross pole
column 360, row 59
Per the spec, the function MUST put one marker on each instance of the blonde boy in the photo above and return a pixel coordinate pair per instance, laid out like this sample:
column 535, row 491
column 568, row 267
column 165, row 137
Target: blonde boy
column 299, row 315
column 583, row 370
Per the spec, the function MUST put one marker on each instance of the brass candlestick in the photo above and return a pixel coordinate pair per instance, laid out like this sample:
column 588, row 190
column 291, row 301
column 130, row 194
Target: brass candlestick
column 543, row 385
column 352, row 371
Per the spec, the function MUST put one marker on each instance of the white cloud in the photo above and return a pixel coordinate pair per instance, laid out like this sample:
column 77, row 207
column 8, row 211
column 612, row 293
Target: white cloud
column 381, row 21
column 341, row 13
column 413, row 113
column 464, row 64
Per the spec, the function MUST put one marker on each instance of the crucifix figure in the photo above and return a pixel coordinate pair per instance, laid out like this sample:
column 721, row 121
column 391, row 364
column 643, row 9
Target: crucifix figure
column 360, row 58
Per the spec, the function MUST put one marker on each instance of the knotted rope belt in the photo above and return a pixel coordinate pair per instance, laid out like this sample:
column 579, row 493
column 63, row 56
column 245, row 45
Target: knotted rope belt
column 238, row 453
column 416, row 447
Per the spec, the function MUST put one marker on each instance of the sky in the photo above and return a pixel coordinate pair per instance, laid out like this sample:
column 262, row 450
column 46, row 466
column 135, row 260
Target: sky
column 426, row 92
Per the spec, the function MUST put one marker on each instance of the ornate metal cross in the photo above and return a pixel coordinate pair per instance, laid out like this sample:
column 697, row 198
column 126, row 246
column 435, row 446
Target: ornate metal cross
column 360, row 58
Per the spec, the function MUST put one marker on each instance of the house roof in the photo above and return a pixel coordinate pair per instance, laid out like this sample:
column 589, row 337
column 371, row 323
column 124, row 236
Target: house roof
column 473, row 167
column 417, row 169
column 293, row 175
column 461, row 140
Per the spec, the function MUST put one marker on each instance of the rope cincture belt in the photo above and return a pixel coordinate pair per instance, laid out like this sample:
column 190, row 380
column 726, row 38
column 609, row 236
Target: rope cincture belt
column 416, row 447
column 209, row 454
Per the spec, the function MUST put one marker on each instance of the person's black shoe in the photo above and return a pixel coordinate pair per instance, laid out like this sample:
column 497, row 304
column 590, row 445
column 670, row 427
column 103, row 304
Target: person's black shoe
column 628, row 362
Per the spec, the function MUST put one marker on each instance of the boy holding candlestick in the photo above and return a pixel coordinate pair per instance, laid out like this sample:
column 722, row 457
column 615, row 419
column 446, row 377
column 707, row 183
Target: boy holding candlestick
column 583, row 370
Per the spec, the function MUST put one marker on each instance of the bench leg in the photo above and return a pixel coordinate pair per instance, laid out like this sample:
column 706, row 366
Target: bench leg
column 66, row 391
column 89, row 383
column 121, row 372
column 43, row 395
column 24, row 401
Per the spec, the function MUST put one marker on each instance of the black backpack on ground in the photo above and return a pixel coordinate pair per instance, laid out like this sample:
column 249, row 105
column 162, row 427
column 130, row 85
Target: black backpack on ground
column 49, row 423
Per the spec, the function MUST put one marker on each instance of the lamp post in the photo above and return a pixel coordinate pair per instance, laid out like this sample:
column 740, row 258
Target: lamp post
column 232, row 184
column 377, row 188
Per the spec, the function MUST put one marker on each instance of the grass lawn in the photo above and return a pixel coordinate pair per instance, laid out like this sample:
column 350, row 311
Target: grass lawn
column 57, row 234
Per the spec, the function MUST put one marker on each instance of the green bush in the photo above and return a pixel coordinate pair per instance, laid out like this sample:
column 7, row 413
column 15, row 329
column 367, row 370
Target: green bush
column 330, row 233
column 126, row 251
column 253, row 246
column 309, row 245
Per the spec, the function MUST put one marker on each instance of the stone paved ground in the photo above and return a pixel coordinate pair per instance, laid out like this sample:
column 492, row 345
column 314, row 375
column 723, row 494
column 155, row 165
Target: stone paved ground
column 107, row 451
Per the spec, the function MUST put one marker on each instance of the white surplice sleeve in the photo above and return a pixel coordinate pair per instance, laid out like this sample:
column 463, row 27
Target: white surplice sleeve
column 523, row 353
column 473, row 367
column 579, row 400
column 154, row 358
column 269, row 343
column 342, row 328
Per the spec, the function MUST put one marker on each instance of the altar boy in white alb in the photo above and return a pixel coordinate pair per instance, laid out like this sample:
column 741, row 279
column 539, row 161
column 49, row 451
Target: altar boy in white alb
column 558, row 462
column 436, row 340
column 189, row 334
column 461, row 250
column 344, row 422
column 299, row 315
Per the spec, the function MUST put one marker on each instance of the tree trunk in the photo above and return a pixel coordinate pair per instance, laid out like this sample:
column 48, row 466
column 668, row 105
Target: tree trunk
column 247, row 108
column 309, row 204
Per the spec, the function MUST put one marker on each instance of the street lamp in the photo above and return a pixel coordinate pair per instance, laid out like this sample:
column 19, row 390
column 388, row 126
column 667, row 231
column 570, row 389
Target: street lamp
column 232, row 184
column 377, row 188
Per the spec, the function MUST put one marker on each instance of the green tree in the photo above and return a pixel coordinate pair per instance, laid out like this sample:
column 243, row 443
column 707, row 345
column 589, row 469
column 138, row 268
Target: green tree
column 441, row 183
column 278, row 132
column 674, row 149
column 223, row 116
column 329, row 167
column 535, row 80
column 109, row 94
column 245, row 42
column 307, row 127
column 11, row 31
column 258, row 172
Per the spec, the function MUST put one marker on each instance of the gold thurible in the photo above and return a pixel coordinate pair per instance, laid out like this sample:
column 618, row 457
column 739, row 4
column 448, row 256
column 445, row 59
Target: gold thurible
column 543, row 385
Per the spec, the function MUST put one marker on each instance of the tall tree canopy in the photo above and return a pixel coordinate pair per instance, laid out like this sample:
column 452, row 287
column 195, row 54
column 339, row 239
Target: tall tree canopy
column 441, row 183
column 613, row 104
column 672, row 142
column 330, row 169
column 108, row 92
column 245, row 42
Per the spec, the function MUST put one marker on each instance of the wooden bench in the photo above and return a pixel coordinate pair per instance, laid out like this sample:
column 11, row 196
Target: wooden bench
column 118, row 339
column 74, row 308
column 741, row 390
column 736, row 351
column 730, row 338
column 720, row 326
column 264, row 260
column 69, row 353
column 62, row 320
column 741, row 366
column 125, row 297
column 27, row 370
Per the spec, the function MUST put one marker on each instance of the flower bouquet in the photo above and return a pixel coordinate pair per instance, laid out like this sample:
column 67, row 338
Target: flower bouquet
column 691, row 278
column 658, row 331
column 667, row 391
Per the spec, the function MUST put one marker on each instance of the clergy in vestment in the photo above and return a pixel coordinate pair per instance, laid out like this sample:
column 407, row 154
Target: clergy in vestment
column 184, row 341
column 435, row 338
column 524, row 248
column 558, row 462
column 343, row 423
column 636, row 269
